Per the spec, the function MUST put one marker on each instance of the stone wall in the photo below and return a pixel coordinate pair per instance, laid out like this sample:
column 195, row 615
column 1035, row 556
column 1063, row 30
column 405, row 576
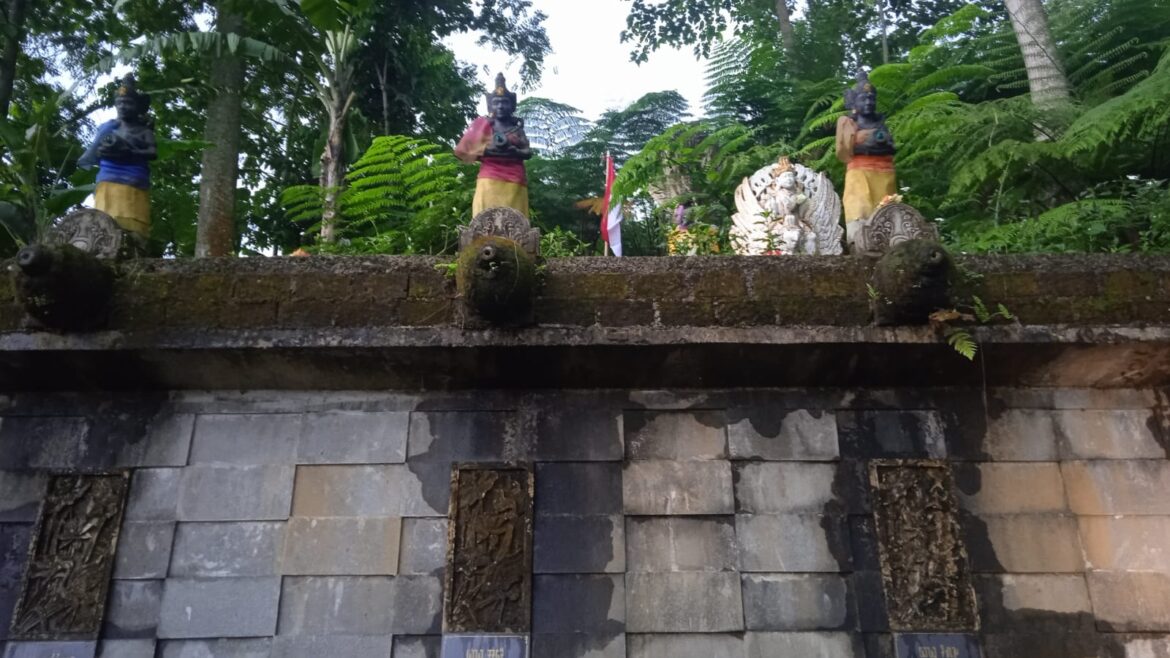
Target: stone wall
column 691, row 523
column 729, row 460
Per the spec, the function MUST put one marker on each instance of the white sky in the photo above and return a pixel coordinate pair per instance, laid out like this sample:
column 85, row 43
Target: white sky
column 590, row 68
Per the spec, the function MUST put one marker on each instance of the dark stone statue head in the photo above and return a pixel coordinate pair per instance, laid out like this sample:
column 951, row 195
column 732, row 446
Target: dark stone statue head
column 501, row 102
column 131, row 104
column 862, row 98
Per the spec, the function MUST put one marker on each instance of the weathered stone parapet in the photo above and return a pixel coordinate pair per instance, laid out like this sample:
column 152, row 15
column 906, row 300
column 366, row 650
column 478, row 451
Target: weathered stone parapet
column 408, row 291
column 390, row 322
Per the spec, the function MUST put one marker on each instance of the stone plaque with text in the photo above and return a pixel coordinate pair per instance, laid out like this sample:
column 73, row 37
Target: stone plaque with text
column 924, row 567
column 936, row 645
column 489, row 550
column 485, row 646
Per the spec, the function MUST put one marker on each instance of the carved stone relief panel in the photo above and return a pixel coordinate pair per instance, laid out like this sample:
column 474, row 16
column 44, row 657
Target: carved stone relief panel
column 489, row 550
column 91, row 231
column 889, row 226
column 505, row 223
column 924, row 566
column 68, row 574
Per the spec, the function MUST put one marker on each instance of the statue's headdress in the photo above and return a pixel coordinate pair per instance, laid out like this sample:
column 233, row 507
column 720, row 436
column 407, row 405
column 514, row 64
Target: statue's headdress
column 863, row 87
column 501, row 89
column 129, row 88
column 783, row 165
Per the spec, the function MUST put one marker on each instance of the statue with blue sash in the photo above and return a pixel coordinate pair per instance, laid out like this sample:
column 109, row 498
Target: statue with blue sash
column 122, row 151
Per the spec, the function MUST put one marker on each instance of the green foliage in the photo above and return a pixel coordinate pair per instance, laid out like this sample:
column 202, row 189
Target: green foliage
column 559, row 243
column 212, row 44
column 973, row 150
column 404, row 195
column 37, row 181
column 406, row 82
column 962, row 342
column 1134, row 216
column 626, row 131
column 985, row 315
column 647, row 235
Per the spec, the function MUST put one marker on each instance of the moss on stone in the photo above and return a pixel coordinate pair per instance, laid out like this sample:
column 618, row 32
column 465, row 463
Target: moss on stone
column 910, row 282
column 496, row 278
column 63, row 287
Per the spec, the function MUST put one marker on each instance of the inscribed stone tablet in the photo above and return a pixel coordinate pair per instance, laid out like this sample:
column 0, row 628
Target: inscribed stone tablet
column 926, row 645
column 485, row 646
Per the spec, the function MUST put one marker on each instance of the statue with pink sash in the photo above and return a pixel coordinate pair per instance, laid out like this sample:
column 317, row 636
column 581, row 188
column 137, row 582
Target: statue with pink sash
column 500, row 145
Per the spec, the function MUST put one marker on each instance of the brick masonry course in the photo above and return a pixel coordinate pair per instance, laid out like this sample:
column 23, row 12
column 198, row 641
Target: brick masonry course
column 700, row 523
column 218, row 550
column 342, row 546
column 782, row 434
column 683, row 488
column 684, row 602
column 219, row 607
column 144, row 550
column 407, row 605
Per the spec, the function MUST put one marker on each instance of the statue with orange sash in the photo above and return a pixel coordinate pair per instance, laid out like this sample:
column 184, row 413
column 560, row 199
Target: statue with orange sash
column 122, row 151
column 500, row 145
column 865, row 145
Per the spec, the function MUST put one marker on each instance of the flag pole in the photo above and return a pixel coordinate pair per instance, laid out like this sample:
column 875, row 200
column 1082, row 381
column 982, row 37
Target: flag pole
column 605, row 210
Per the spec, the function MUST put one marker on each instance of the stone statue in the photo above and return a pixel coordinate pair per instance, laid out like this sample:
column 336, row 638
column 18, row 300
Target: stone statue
column 865, row 145
column 786, row 209
column 122, row 151
column 498, row 142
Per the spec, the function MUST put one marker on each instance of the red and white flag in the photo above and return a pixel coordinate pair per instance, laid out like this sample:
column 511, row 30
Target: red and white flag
column 611, row 214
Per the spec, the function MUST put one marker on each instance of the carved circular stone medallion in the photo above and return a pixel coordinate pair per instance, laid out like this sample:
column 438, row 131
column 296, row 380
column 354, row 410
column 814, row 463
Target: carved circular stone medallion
column 91, row 231
column 893, row 224
column 506, row 223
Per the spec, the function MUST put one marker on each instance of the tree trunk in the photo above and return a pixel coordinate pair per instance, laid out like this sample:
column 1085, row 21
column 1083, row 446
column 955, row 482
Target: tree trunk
column 383, row 73
column 1046, row 79
column 14, row 35
column 216, row 232
column 882, row 18
column 333, row 168
column 787, row 35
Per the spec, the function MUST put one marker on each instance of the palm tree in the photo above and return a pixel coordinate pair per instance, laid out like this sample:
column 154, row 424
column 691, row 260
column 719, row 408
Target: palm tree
column 323, row 38
column 216, row 229
column 1046, row 78
column 226, row 50
column 339, row 25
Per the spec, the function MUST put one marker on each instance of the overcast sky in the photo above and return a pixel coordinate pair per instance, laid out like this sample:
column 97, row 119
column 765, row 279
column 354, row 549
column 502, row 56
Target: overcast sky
column 590, row 68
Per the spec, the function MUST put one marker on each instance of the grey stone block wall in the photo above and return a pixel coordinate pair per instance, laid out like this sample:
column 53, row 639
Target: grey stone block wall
column 673, row 524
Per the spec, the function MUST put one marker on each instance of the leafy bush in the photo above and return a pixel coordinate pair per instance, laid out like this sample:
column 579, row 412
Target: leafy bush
column 405, row 195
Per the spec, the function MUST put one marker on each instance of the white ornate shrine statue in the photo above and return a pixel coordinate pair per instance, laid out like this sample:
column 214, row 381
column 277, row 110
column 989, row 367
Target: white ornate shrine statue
column 787, row 208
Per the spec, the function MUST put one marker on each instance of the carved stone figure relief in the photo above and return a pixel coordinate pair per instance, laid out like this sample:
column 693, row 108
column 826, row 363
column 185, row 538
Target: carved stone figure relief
column 786, row 209
column 91, row 231
column 890, row 225
column 72, row 555
column 489, row 551
column 505, row 223
column 923, row 561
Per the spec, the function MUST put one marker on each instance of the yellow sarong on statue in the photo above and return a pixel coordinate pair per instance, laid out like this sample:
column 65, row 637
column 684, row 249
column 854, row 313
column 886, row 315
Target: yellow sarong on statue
column 128, row 205
column 866, row 184
column 492, row 193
